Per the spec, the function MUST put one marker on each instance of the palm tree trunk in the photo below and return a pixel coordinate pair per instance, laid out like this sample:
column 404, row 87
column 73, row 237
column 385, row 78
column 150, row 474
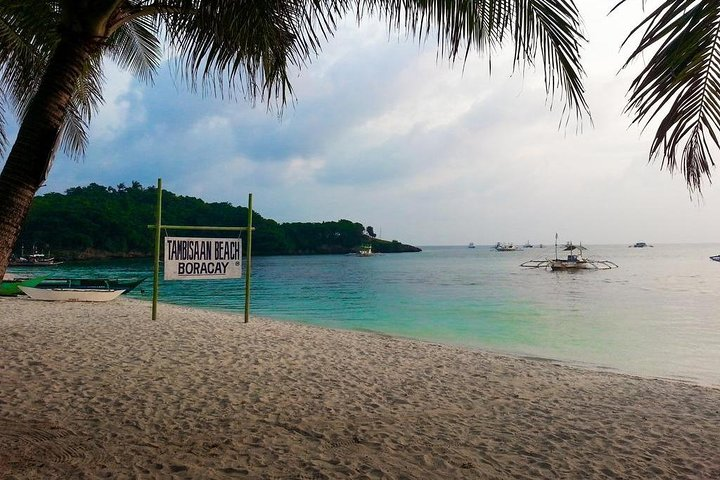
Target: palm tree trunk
column 29, row 161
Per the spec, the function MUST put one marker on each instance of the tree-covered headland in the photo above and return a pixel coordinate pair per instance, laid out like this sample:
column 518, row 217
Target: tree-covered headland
column 98, row 222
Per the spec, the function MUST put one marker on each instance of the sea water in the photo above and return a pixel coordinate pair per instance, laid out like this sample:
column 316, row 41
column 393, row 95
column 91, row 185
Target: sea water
column 658, row 314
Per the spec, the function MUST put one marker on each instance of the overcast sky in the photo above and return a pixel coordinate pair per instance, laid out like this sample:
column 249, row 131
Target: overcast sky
column 385, row 134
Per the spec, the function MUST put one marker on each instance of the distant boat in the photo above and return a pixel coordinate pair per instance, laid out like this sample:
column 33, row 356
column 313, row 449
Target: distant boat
column 716, row 258
column 506, row 247
column 10, row 285
column 365, row 251
column 640, row 245
column 72, row 294
column 528, row 245
column 574, row 261
column 127, row 284
column 471, row 245
column 33, row 260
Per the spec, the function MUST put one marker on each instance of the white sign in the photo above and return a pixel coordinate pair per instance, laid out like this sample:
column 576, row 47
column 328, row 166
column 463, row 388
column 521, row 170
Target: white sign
column 193, row 258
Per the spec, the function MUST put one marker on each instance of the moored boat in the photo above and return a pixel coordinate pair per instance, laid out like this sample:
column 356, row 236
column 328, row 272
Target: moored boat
column 506, row 247
column 127, row 284
column 33, row 260
column 574, row 261
column 72, row 294
column 365, row 251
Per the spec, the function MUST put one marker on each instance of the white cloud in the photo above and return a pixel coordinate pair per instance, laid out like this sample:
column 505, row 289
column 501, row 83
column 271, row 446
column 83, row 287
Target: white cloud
column 118, row 108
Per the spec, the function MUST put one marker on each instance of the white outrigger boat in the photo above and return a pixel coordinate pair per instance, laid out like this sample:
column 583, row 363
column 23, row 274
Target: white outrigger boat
column 574, row 261
column 506, row 247
column 72, row 294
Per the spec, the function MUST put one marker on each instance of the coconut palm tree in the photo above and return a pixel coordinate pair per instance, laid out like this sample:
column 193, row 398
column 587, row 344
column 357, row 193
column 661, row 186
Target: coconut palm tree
column 52, row 54
column 679, row 85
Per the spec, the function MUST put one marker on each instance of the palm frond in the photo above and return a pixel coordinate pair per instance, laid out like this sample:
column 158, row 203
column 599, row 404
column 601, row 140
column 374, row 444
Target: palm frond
column 24, row 50
column 681, row 81
column 30, row 35
column 551, row 28
column 257, row 42
column 85, row 102
column 74, row 134
column 135, row 46
column 459, row 26
column 224, row 44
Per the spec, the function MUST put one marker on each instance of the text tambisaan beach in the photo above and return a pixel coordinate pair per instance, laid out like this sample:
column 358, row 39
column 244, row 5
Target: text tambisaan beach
column 202, row 258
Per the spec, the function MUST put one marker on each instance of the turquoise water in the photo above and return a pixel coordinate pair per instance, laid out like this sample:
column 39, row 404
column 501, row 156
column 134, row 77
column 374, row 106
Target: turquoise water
column 656, row 315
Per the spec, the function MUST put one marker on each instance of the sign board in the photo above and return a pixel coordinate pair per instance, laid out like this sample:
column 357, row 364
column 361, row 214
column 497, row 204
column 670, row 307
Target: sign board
column 194, row 258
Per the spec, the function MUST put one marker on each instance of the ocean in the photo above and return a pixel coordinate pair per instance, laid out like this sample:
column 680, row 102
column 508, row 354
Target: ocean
column 656, row 315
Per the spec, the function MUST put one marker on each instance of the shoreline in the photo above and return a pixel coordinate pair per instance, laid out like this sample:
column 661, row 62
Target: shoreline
column 570, row 363
column 102, row 390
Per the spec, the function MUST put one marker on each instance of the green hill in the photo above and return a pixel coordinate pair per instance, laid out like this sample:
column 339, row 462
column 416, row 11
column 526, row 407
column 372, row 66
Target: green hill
column 99, row 222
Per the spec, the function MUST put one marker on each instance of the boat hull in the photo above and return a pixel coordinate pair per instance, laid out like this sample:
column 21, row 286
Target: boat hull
column 72, row 294
column 562, row 265
column 125, row 284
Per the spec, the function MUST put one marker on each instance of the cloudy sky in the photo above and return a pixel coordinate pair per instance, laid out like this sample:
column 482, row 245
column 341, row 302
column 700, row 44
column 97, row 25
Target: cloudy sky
column 385, row 134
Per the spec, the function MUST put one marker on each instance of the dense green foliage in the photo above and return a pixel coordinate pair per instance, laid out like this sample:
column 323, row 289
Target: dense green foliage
column 98, row 221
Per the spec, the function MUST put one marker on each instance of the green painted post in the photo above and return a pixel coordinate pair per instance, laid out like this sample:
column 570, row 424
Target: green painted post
column 248, row 259
column 156, row 270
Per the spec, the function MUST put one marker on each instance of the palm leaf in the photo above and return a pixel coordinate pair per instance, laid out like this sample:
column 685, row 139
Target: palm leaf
column 257, row 42
column 224, row 44
column 550, row 28
column 23, row 52
column 135, row 47
column 681, row 83
column 28, row 35
column 553, row 28
column 86, row 99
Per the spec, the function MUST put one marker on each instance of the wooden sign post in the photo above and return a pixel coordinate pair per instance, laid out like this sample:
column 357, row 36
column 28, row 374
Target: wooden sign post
column 188, row 258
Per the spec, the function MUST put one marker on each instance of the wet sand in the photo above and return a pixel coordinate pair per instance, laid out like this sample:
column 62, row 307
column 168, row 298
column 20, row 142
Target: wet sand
column 101, row 391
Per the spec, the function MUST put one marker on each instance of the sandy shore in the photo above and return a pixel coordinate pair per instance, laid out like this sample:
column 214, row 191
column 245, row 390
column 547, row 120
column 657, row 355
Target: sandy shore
column 101, row 391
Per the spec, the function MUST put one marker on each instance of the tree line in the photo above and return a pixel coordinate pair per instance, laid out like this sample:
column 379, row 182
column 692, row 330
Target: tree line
column 96, row 221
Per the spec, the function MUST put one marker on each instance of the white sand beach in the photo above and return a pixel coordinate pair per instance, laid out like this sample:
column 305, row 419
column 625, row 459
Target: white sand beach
column 101, row 391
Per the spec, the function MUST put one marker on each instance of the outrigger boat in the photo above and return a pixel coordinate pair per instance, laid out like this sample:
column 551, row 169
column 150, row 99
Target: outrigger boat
column 35, row 259
column 506, row 247
column 574, row 261
column 126, row 284
column 72, row 294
